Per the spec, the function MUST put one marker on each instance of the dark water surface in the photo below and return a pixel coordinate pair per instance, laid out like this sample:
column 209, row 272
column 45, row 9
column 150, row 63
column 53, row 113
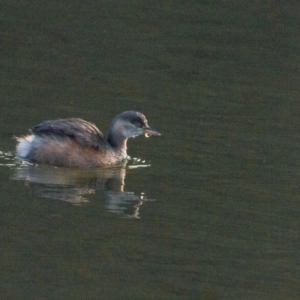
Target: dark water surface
column 216, row 215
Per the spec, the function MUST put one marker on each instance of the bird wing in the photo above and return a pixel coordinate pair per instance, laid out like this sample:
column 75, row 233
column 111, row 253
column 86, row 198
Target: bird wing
column 85, row 133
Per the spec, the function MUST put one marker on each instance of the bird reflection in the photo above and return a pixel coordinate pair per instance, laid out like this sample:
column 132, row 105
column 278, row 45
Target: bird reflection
column 75, row 186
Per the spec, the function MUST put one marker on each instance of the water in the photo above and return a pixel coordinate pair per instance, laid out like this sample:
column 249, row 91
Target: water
column 216, row 214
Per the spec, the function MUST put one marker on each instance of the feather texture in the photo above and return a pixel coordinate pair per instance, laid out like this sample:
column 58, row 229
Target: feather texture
column 84, row 133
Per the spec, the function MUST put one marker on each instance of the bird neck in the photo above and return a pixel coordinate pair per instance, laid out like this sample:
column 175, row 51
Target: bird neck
column 118, row 143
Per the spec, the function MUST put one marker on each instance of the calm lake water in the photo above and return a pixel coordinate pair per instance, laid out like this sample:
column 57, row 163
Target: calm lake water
column 209, row 210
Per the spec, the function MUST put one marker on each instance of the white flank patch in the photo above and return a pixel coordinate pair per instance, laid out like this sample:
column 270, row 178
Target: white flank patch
column 25, row 145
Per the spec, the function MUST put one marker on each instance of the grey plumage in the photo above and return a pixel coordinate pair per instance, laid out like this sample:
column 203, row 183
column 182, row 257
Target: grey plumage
column 77, row 143
column 85, row 133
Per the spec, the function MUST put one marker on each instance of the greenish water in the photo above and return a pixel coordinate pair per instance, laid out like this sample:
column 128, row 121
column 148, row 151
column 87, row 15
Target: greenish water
column 216, row 215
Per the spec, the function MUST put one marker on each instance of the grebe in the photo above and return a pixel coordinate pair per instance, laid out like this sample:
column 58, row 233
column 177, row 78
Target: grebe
column 77, row 143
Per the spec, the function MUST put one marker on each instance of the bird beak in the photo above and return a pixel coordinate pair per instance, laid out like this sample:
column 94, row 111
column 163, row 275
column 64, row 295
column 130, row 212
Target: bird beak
column 149, row 131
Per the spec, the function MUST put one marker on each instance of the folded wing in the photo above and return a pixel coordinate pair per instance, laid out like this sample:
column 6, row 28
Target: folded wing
column 83, row 132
